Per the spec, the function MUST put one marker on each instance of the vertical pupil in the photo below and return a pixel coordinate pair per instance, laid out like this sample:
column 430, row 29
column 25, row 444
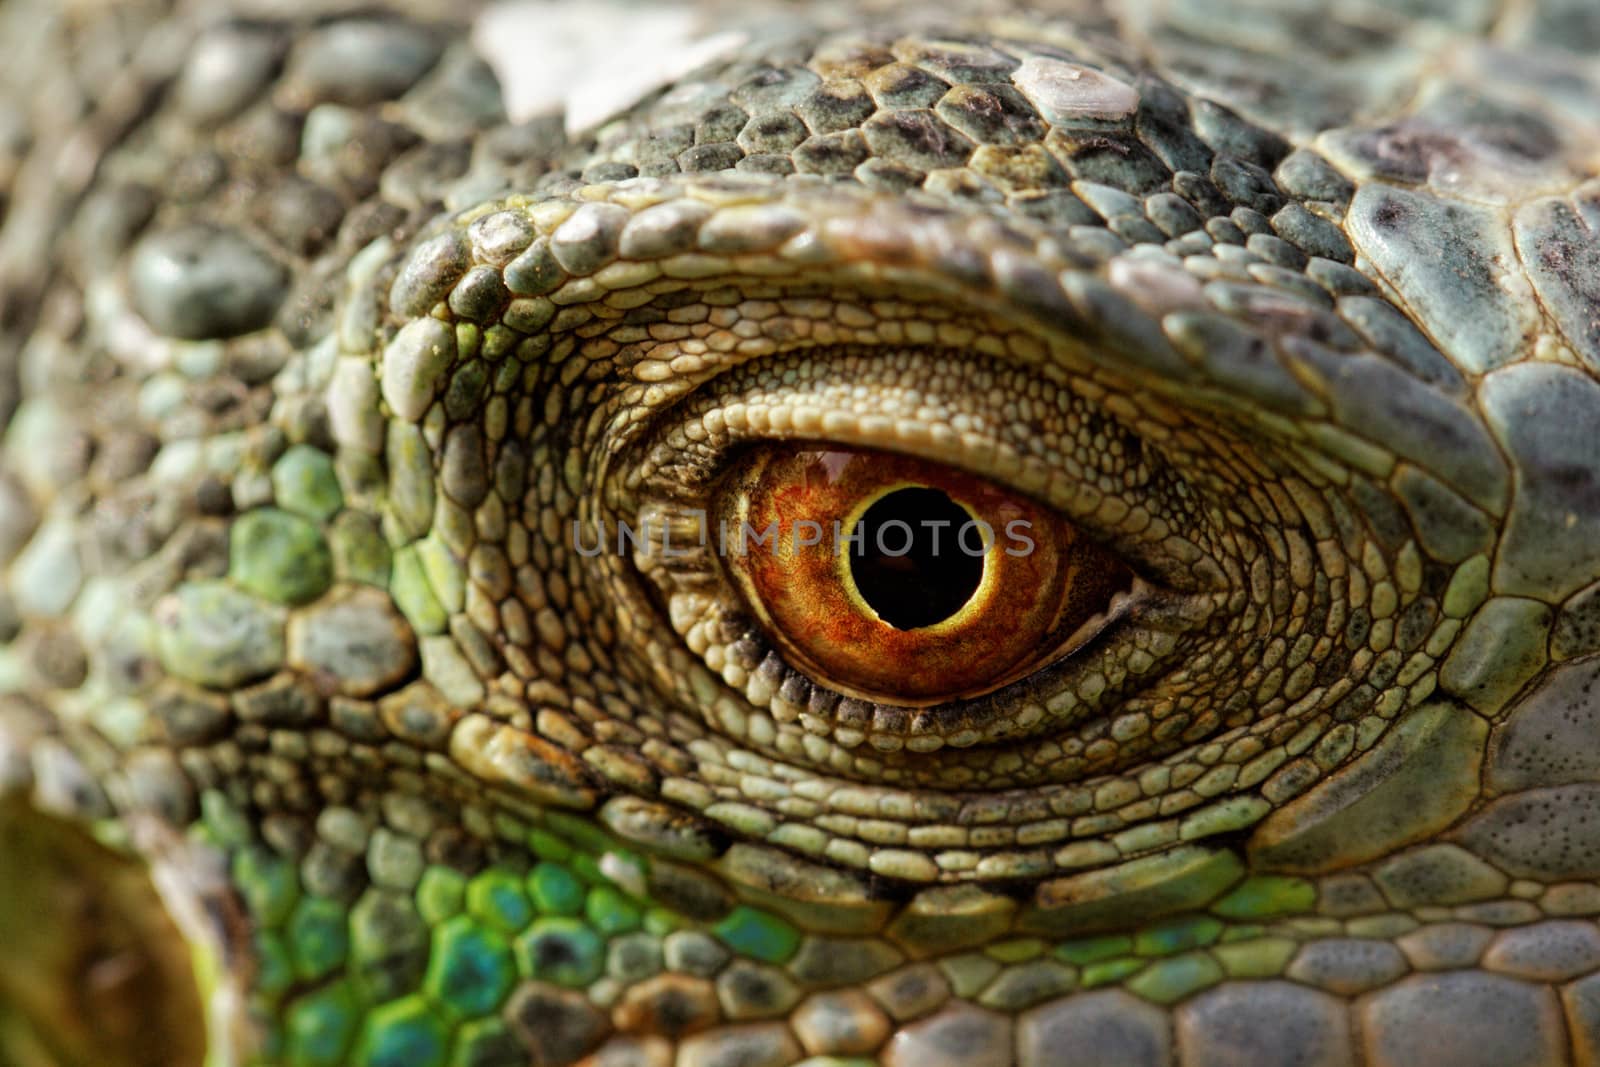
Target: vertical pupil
column 909, row 563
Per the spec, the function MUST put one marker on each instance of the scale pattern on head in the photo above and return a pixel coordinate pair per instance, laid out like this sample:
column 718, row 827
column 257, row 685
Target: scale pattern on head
column 326, row 387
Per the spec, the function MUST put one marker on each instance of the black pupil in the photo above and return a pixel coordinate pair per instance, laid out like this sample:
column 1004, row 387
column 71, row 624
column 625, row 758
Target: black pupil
column 914, row 563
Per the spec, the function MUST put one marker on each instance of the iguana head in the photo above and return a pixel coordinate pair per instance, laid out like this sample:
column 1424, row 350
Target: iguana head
column 460, row 554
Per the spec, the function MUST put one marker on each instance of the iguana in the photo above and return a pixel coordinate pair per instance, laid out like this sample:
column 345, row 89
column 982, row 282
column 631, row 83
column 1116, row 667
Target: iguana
column 419, row 645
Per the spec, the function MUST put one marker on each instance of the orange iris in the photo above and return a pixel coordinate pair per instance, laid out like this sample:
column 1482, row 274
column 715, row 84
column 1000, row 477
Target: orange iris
column 905, row 581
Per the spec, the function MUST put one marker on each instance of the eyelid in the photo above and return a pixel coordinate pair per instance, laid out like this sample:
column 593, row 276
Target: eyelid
column 1143, row 631
column 960, row 409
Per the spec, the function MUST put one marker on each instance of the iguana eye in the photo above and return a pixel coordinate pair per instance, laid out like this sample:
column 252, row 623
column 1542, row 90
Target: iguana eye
column 904, row 581
column 1012, row 662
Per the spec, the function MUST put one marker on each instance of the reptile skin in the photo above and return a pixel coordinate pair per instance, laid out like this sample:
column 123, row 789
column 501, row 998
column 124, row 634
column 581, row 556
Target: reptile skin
column 326, row 346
